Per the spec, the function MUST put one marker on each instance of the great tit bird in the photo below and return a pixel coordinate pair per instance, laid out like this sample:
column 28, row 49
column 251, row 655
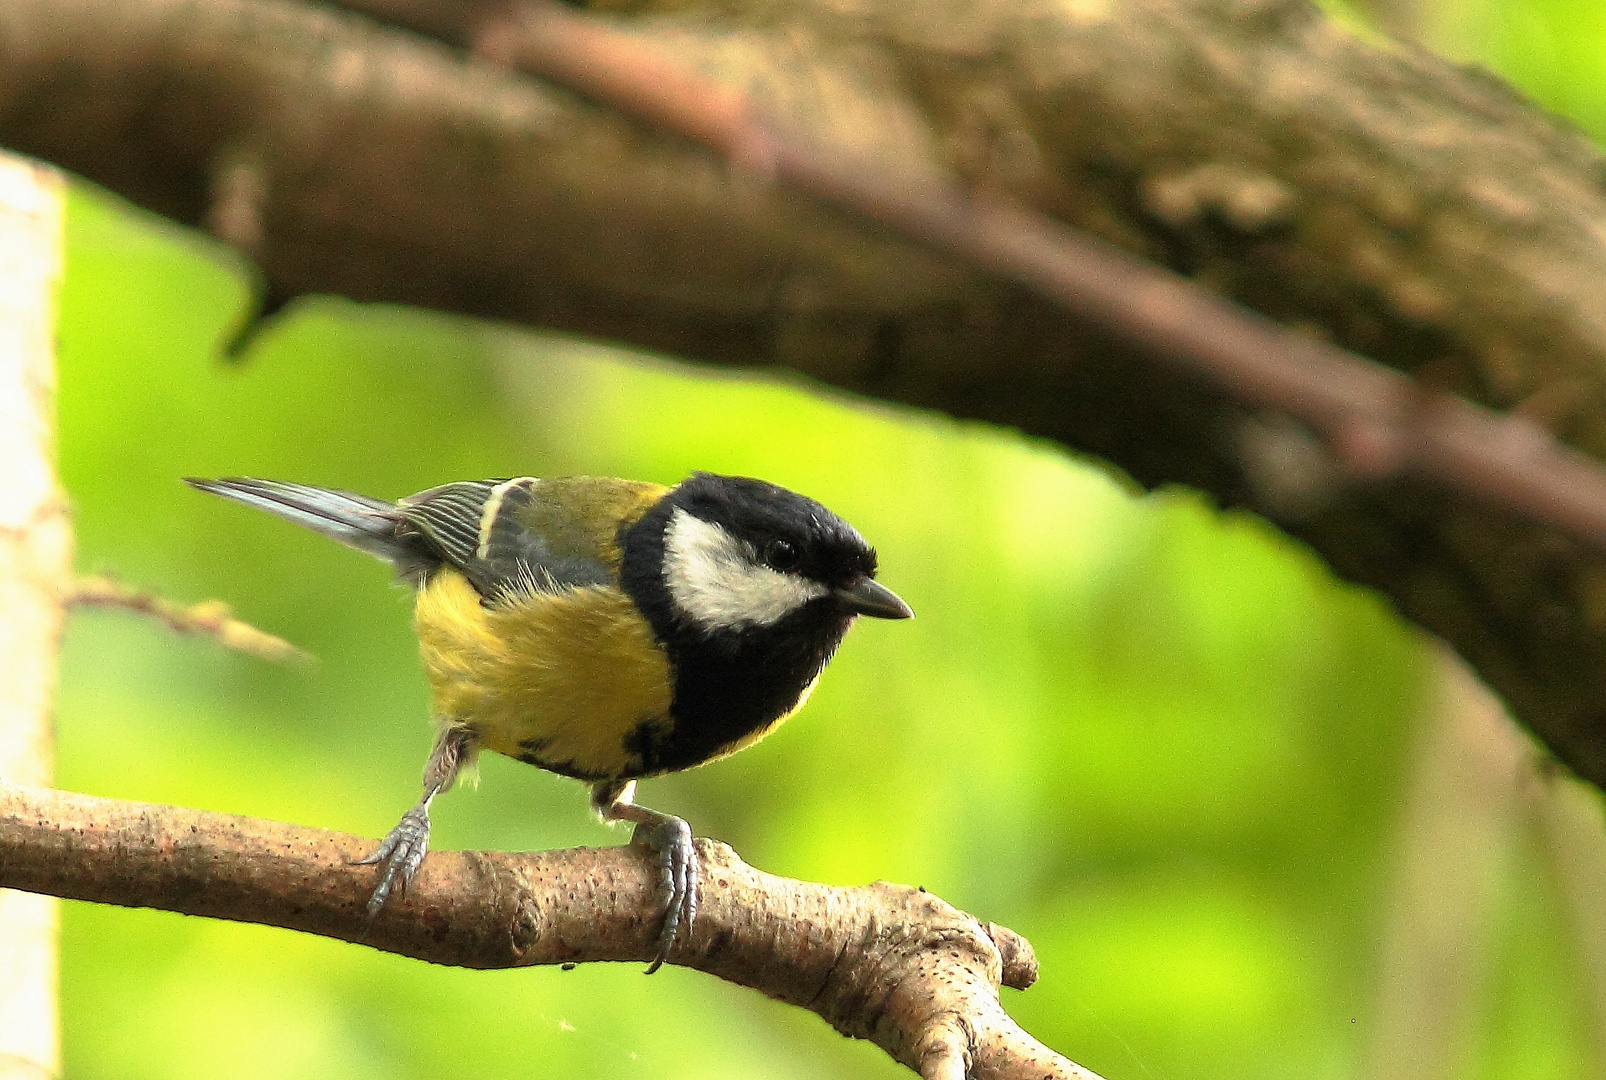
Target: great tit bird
column 607, row 630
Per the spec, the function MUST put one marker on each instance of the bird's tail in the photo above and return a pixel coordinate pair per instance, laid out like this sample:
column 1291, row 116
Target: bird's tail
column 366, row 524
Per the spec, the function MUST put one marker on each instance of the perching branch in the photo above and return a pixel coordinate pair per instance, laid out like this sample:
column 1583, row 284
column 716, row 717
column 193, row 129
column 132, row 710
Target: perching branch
column 211, row 618
column 887, row 963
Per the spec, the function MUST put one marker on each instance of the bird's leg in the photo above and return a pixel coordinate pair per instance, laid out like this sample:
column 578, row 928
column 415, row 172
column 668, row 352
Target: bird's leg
column 403, row 849
column 670, row 838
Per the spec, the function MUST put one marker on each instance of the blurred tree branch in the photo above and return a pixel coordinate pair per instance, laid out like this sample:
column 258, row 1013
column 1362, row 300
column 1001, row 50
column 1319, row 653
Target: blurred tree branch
column 1371, row 423
column 887, row 963
column 1385, row 200
column 1402, row 18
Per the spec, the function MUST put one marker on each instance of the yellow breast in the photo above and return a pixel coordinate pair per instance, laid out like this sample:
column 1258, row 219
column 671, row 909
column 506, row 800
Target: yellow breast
column 558, row 680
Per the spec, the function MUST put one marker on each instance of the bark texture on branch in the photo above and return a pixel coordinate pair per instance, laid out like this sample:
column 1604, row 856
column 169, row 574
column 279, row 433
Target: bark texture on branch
column 888, row 963
column 1404, row 208
column 35, row 562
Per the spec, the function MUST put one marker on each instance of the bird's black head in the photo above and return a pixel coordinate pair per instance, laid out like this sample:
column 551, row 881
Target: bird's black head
column 750, row 588
column 733, row 554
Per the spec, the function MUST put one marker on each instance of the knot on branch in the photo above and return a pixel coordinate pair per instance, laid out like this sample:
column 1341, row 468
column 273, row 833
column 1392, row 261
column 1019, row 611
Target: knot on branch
column 914, row 973
column 1015, row 952
column 889, row 963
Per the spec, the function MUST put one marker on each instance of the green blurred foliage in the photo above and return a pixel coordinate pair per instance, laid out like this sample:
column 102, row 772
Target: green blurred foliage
column 1555, row 50
column 1161, row 742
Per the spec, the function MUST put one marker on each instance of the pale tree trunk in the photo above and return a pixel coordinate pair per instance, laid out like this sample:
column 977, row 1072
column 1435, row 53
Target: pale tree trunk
column 35, row 558
column 1455, row 853
column 1481, row 803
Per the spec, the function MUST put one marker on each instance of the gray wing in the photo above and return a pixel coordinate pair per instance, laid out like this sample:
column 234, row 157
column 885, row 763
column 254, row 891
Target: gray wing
column 477, row 526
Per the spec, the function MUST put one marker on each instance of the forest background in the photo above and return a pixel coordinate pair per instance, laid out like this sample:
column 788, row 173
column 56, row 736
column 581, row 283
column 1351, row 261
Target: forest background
column 1161, row 742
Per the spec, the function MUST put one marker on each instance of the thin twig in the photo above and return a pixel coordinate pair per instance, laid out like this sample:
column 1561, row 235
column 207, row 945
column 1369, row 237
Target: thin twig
column 1375, row 421
column 209, row 617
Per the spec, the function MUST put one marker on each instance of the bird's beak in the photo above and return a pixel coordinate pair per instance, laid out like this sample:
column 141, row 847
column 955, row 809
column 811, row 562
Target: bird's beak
column 870, row 597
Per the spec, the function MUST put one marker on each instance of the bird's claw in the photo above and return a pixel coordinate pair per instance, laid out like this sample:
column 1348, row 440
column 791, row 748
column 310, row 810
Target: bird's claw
column 671, row 839
column 400, row 854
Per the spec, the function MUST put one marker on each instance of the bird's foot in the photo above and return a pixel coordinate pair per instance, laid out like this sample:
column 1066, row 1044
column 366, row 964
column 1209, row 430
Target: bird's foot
column 400, row 855
column 670, row 838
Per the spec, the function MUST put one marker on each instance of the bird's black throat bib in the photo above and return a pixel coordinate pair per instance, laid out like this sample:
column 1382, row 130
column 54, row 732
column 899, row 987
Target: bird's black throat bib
column 728, row 684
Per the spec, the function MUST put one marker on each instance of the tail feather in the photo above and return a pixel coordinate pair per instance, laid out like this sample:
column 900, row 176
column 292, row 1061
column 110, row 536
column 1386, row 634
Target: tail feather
column 355, row 520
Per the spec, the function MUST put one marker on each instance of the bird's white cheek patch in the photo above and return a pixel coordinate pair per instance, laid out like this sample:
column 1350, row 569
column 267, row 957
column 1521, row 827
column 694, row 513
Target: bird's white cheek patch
column 718, row 581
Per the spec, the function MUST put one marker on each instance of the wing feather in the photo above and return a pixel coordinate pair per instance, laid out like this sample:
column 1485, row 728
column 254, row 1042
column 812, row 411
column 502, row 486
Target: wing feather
column 480, row 527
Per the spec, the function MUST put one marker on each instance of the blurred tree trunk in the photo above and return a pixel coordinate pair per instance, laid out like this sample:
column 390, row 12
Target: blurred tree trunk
column 1477, row 813
column 35, row 561
column 1456, row 848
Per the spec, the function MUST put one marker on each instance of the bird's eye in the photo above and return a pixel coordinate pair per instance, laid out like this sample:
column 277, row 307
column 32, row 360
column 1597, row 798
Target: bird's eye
column 781, row 554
